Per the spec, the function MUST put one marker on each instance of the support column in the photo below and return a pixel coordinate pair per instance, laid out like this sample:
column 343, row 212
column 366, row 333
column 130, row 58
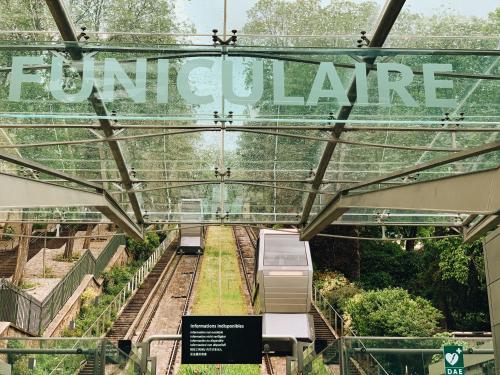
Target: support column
column 492, row 263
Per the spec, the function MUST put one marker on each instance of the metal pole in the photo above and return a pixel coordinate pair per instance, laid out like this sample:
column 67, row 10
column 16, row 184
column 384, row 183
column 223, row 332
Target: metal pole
column 146, row 344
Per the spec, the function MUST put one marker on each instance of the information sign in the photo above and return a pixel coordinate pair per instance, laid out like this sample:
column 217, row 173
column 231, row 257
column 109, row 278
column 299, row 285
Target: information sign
column 454, row 360
column 221, row 339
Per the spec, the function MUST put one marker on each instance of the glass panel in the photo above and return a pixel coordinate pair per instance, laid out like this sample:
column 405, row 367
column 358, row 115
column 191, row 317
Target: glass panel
column 284, row 250
column 244, row 128
column 415, row 355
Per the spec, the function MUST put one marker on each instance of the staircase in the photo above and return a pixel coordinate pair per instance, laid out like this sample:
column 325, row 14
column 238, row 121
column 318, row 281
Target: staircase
column 325, row 335
column 8, row 258
column 89, row 368
column 129, row 313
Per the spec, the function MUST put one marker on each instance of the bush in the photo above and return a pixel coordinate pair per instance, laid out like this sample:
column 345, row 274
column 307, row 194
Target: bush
column 387, row 264
column 391, row 312
column 141, row 250
column 8, row 233
column 336, row 288
column 88, row 295
column 116, row 278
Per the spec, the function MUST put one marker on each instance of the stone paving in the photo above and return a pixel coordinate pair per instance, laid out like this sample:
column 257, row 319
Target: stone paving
column 56, row 270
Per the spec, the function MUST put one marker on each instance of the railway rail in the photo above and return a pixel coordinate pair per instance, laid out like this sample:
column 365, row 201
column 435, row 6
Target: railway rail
column 133, row 308
column 268, row 365
column 175, row 347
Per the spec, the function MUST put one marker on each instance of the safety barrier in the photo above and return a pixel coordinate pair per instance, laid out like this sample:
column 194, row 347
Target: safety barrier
column 333, row 351
column 102, row 323
column 331, row 315
column 27, row 313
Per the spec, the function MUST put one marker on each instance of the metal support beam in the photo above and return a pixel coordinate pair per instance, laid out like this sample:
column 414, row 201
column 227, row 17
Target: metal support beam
column 475, row 193
column 388, row 17
column 67, row 30
column 19, row 192
column 465, row 154
column 52, row 172
column 485, row 225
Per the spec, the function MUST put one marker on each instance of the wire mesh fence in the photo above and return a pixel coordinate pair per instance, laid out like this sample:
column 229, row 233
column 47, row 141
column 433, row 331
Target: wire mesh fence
column 29, row 314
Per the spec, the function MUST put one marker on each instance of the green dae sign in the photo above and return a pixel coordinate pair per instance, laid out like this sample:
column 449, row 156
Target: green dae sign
column 453, row 360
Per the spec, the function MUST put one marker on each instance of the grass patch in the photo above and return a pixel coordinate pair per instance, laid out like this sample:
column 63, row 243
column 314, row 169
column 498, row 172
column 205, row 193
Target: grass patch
column 28, row 285
column 219, row 295
column 49, row 273
column 61, row 258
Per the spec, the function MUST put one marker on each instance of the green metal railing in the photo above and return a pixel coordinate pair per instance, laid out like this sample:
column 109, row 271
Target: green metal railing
column 93, row 354
column 101, row 325
column 329, row 313
column 27, row 313
column 103, row 322
column 332, row 353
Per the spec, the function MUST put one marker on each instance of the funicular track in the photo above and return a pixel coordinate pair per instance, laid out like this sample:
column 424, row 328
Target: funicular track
column 187, row 300
column 173, row 275
column 133, row 308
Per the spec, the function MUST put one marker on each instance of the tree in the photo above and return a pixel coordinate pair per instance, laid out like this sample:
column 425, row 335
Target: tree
column 88, row 234
column 70, row 244
column 453, row 278
column 392, row 312
column 22, row 253
column 337, row 254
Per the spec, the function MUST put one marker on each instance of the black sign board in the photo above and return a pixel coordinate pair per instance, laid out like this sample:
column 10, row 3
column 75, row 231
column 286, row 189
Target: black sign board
column 221, row 339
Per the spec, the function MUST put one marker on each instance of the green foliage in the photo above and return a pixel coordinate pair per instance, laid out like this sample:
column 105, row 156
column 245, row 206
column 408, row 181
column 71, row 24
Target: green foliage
column 14, row 344
column 8, row 233
column 38, row 226
column 392, row 312
column 452, row 276
column 92, row 307
column 141, row 250
column 61, row 258
column 387, row 264
column 116, row 278
column 336, row 288
column 457, row 260
column 447, row 272
column 28, row 285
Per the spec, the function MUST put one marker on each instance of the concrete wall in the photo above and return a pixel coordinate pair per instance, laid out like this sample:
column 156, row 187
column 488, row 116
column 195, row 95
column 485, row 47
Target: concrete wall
column 71, row 308
column 492, row 264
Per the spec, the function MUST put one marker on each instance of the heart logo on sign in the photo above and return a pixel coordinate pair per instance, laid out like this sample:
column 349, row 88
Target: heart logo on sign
column 451, row 358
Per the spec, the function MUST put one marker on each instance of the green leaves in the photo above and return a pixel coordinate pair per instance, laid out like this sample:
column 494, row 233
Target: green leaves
column 392, row 312
column 141, row 250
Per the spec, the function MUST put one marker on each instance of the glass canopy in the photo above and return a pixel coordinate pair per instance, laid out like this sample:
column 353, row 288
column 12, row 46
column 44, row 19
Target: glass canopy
column 243, row 123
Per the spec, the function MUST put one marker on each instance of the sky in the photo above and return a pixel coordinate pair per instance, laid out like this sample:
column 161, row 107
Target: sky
column 207, row 15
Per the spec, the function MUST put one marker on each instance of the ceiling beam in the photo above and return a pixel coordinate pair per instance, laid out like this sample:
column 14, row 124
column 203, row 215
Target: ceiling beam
column 52, row 172
column 67, row 30
column 458, row 156
column 475, row 193
column 485, row 225
column 389, row 15
column 19, row 192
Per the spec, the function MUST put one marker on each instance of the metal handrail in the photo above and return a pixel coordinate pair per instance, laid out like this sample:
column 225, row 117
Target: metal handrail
column 120, row 300
column 51, row 304
column 329, row 311
column 134, row 283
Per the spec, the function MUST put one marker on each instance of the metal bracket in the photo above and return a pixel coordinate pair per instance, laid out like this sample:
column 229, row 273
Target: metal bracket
column 82, row 35
column 220, row 175
column 230, row 41
column 363, row 41
column 447, row 119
